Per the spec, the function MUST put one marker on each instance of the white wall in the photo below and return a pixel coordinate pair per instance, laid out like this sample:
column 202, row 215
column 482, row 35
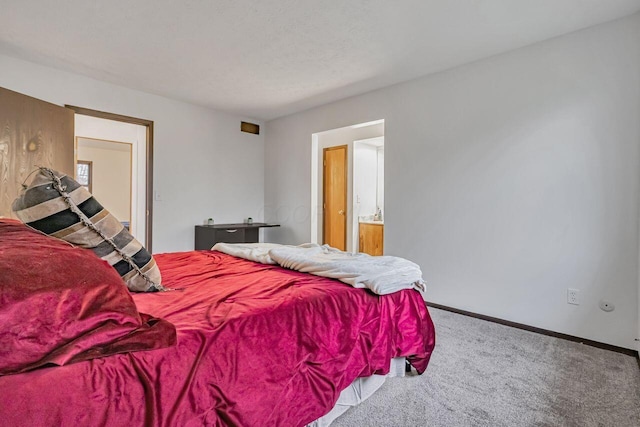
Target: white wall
column 203, row 165
column 508, row 180
column 365, row 177
column 111, row 176
column 380, row 179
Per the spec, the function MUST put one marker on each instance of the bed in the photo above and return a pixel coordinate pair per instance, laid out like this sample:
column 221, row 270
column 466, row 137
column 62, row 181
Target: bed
column 232, row 342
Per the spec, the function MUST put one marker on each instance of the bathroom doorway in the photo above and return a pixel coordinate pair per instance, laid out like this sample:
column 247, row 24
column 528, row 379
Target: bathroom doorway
column 368, row 190
column 346, row 136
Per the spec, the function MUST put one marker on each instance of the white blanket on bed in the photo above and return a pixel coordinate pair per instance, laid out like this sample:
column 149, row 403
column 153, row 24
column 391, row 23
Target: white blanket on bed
column 381, row 274
column 258, row 252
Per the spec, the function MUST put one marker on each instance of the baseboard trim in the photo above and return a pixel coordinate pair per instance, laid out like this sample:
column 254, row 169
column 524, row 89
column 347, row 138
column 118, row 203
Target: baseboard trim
column 597, row 344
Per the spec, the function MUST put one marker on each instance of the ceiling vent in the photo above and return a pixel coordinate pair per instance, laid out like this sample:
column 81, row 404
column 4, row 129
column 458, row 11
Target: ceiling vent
column 250, row 128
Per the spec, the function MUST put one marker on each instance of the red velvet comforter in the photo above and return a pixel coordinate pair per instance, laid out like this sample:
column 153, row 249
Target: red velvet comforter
column 258, row 345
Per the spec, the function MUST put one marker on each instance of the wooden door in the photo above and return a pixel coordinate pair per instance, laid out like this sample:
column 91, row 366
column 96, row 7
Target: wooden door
column 32, row 133
column 335, row 197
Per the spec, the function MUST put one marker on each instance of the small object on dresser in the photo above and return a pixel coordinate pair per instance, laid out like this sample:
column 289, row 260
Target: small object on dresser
column 249, row 220
column 210, row 221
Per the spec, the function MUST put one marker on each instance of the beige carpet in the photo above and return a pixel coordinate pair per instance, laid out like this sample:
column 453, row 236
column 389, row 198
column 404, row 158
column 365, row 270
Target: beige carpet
column 486, row 374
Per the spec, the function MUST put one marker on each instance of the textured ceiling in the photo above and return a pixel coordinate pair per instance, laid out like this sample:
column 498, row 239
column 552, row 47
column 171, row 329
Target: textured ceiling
column 265, row 59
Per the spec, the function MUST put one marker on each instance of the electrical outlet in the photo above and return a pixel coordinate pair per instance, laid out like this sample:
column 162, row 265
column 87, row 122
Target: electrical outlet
column 573, row 296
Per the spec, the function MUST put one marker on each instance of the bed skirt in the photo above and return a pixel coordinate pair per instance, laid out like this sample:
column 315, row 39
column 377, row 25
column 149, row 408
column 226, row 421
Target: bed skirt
column 359, row 391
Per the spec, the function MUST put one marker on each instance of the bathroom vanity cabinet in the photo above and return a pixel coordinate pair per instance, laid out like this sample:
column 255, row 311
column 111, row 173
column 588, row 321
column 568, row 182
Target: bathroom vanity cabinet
column 372, row 237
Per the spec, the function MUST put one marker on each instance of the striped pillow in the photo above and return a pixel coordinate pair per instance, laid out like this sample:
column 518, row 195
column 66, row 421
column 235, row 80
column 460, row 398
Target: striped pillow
column 57, row 205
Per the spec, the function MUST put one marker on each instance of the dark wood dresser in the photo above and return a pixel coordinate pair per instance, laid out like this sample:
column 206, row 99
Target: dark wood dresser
column 209, row 235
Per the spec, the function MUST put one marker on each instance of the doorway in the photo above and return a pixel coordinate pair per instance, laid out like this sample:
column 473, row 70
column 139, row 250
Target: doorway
column 138, row 133
column 368, row 194
column 106, row 168
column 345, row 136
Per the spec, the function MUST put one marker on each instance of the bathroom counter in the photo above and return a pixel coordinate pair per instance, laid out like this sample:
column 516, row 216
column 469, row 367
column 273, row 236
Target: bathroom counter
column 374, row 222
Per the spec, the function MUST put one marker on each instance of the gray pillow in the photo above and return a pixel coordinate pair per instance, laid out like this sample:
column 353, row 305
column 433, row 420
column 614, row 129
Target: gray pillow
column 57, row 205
